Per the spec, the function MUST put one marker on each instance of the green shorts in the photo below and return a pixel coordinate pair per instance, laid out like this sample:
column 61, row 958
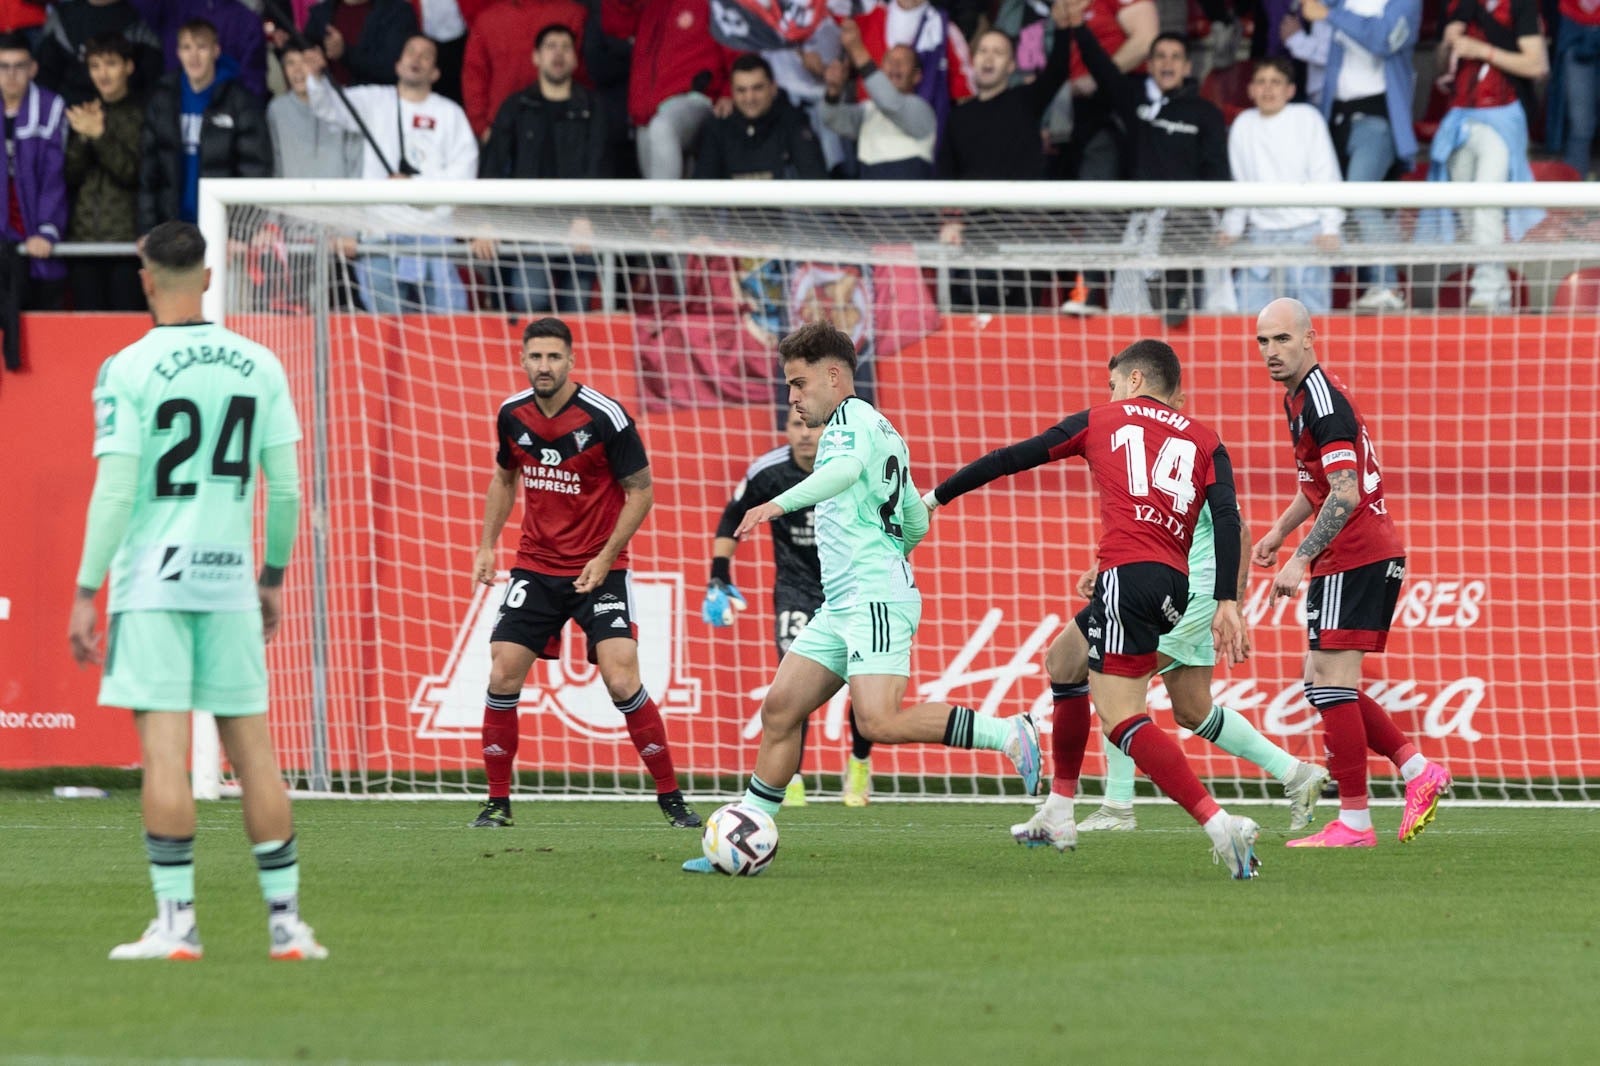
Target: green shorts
column 1189, row 643
column 869, row 638
column 186, row 660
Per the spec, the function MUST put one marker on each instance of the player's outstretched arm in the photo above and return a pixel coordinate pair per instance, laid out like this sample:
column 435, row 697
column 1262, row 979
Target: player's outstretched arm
column 1057, row 442
column 638, row 496
column 831, row 477
column 496, row 509
column 110, row 508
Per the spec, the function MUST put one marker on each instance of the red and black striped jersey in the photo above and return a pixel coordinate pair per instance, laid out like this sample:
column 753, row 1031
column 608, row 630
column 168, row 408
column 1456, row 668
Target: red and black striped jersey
column 571, row 464
column 1153, row 468
column 1329, row 435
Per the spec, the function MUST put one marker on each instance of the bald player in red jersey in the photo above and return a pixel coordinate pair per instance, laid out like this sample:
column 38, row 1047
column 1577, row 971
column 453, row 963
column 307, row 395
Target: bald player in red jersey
column 1357, row 561
column 586, row 490
column 1153, row 469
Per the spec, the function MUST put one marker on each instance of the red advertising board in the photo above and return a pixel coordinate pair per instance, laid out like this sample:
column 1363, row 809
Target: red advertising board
column 1480, row 423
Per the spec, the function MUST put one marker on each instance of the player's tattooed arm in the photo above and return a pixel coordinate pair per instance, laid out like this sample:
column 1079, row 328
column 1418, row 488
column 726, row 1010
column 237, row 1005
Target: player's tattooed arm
column 1343, row 496
column 636, row 482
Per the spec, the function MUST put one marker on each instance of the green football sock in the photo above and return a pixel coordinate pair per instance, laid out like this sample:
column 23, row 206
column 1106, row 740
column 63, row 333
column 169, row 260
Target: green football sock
column 1119, row 777
column 171, row 867
column 763, row 797
column 278, row 867
column 990, row 734
column 1233, row 733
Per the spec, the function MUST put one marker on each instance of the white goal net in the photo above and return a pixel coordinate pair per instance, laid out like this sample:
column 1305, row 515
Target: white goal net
column 400, row 323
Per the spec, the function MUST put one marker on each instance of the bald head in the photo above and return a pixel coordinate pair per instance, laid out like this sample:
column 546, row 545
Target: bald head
column 1287, row 306
column 1287, row 341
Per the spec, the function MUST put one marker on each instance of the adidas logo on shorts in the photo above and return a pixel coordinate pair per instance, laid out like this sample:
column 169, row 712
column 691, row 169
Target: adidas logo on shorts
column 855, row 657
column 618, row 623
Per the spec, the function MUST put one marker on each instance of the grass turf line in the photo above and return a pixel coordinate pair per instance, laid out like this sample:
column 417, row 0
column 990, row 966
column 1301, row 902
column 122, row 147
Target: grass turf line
column 911, row 933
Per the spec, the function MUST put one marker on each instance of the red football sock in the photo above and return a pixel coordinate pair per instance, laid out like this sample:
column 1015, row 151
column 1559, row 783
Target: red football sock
column 1346, row 738
column 1383, row 736
column 649, row 738
column 499, row 746
column 1069, row 736
column 1162, row 761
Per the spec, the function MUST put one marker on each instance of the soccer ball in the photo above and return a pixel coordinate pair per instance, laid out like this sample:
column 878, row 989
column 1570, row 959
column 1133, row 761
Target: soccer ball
column 740, row 841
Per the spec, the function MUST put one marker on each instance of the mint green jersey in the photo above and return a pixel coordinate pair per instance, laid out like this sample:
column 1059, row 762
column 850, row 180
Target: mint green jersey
column 1202, row 556
column 864, row 532
column 197, row 405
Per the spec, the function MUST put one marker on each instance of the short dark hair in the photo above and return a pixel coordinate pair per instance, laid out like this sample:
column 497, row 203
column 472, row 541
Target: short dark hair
column 1155, row 360
column 424, row 37
column 916, row 60
column 14, row 42
column 1010, row 40
column 1280, row 64
column 547, row 327
column 554, row 27
column 816, row 341
column 199, row 28
column 175, row 246
column 753, row 61
column 109, row 44
column 1180, row 39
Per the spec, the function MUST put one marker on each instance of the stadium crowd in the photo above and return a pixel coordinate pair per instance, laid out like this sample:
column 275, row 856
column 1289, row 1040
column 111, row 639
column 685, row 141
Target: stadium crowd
column 115, row 108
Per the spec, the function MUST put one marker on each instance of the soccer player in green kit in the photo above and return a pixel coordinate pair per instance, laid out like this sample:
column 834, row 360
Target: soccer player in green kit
column 186, row 419
column 869, row 516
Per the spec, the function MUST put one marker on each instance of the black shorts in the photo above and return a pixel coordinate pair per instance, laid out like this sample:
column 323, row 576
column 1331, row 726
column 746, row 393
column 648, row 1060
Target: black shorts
column 791, row 611
column 1134, row 606
column 536, row 606
column 1352, row 610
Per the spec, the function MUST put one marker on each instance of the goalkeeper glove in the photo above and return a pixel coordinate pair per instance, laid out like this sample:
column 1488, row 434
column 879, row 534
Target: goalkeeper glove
column 721, row 601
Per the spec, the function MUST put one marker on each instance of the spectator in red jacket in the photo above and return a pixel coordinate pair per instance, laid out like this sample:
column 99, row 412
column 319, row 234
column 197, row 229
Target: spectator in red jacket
column 678, row 70
column 499, row 58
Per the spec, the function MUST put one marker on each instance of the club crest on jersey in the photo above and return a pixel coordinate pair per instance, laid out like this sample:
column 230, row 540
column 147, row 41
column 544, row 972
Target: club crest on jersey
column 581, row 438
column 449, row 704
column 839, row 437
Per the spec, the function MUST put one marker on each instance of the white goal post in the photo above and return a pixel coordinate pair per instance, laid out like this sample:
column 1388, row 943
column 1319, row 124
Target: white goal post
column 985, row 312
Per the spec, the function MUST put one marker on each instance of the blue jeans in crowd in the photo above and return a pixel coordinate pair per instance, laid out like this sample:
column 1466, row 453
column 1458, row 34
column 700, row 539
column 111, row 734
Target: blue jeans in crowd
column 1308, row 281
column 1580, row 81
column 560, row 283
column 1371, row 152
column 391, row 285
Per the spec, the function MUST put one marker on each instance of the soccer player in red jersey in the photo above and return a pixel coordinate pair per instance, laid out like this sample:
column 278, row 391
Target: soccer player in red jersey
column 1151, row 465
column 586, row 489
column 1357, row 562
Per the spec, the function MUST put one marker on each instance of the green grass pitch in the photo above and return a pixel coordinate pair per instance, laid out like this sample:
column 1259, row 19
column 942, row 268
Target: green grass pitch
column 904, row 933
